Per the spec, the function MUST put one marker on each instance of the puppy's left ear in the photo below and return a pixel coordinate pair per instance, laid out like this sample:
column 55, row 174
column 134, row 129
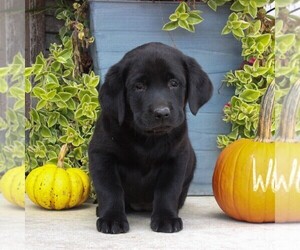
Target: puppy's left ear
column 200, row 88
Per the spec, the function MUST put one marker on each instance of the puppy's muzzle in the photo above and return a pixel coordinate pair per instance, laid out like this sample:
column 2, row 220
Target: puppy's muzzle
column 162, row 113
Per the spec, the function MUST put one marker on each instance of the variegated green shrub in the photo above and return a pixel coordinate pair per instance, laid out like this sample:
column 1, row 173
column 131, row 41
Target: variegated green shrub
column 12, row 114
column 64, row 98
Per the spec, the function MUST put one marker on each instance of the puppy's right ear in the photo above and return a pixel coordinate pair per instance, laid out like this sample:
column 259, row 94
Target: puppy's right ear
column 112, row 93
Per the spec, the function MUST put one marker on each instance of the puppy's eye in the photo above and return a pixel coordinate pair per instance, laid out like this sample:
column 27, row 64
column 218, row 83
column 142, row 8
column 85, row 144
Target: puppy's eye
column 140, row 87
column 173, row 83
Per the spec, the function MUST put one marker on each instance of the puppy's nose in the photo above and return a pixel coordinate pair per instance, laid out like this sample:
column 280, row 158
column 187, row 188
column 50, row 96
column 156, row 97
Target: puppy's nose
column 161, row 113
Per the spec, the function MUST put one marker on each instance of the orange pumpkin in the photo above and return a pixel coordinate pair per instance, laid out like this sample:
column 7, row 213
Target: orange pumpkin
column 258, row 180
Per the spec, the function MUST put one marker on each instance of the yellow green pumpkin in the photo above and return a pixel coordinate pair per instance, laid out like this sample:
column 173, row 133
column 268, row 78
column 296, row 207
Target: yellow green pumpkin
column 12, row 185
column 53, row 187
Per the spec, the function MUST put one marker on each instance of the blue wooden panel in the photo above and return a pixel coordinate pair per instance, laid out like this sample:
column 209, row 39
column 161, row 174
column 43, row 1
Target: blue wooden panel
column 119, row 26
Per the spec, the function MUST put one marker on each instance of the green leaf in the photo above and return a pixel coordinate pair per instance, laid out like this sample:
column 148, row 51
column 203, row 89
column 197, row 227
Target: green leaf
column 241, row 116
column 41, row 104
column 51, row 78
column 94, row 81
column 51, row 86
column 45, row 132
column 38, row 92
column 55, row 99
column 62, row 120
column 173, row 17
column 86, row 79
column 235, row 101
column 27, row 86
column 51, row 94
column 61, row 60
column 250, row 95
column 71, row 104
column 17, row 92
column 3, row 86
column 70, row 89
column 278, row 26
column 65, row 54
column 183, row 24
column 86, row 99
column 38, row 68
column 78, row 141
column 65, row 96
column 225, row 30
column 40, row 59
column 182, row 8
column 194, row 19
column 4, row 71
column 212, row 4
column 63, row 139
column 78, row 153
column 52, row 119
column 265, row 39
column 34, row 115
column 237, row 6
column 19, row 104
column 256, row 65
column 233, row 17
column 244, row 25
column 256, row 26
column 262, row 3
column 244, row 2
column 260, row 71
column 56, row 66
column 191, row 28
column 236, row 24
column 170, row 26
column 238, row 32
column 183, row 16
column 252, row 11
column 287, row 40
column 253, row 4
column 78, row 114
column 67, row 73
column 61, row 104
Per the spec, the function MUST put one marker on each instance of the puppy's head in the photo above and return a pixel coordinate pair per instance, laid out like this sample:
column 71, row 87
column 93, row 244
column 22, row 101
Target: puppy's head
column 150, row 86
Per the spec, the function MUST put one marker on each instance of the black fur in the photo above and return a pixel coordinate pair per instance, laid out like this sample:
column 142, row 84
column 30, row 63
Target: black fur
column 140, row 154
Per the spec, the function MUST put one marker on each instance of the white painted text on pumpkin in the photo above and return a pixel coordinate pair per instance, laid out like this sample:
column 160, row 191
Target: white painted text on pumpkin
column 275, row 181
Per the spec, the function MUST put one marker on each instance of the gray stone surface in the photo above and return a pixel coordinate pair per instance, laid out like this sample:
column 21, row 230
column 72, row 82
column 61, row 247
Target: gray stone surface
column 205, row 227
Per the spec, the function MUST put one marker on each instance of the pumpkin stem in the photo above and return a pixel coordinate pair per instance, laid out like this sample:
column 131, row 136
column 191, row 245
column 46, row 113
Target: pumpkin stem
column 264, row 133
column 288, row 118
column 61, row 156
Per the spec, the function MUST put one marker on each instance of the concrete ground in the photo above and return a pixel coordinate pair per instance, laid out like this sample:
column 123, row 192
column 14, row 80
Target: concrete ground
column 205, row 227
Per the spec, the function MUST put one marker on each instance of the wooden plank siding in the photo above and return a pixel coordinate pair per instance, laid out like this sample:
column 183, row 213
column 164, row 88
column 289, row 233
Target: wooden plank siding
column 119, row 26
column 52, row 25
column 41, row 27
column 12, row 28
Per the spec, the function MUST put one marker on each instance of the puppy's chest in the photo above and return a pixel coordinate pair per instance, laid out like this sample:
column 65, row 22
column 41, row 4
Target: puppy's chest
column 149, row 154
column 139, row 175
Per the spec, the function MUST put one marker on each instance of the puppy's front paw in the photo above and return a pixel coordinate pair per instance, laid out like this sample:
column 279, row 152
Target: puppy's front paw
column 112, row 225
column 166, row 225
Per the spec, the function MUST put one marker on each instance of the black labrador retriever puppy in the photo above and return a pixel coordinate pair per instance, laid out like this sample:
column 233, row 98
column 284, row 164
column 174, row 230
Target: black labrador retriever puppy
column 140, row 154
